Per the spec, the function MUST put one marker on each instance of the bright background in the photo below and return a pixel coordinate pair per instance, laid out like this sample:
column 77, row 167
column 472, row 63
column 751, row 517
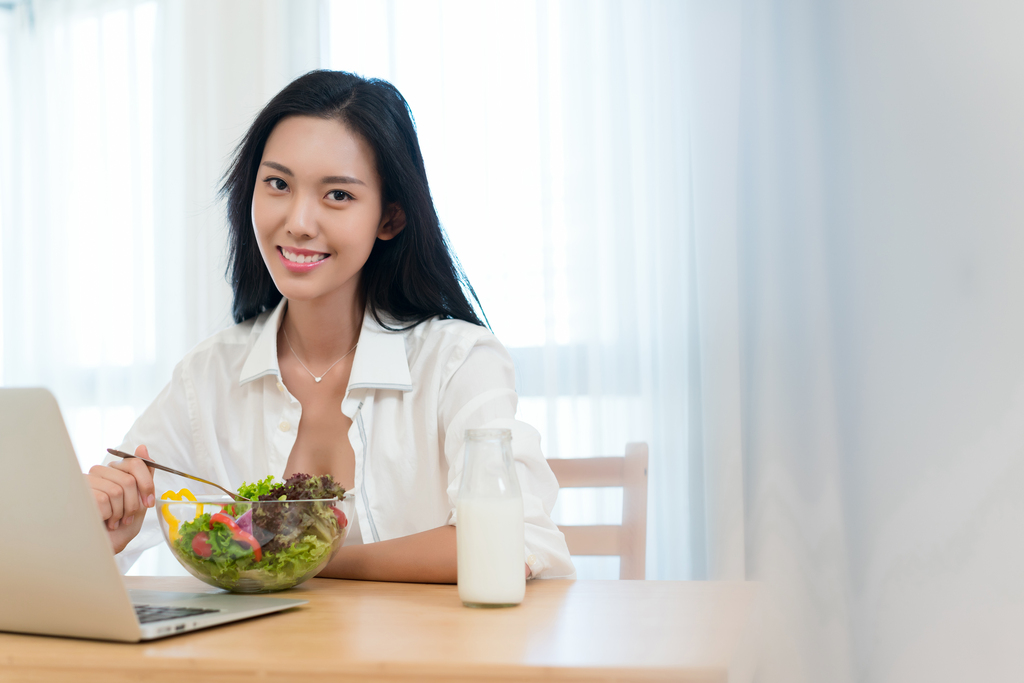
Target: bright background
column 525, row 143
column 779, row 241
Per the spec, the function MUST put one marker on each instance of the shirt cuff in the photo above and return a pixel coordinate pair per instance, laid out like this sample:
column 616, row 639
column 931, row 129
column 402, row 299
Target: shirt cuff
column 542, row 568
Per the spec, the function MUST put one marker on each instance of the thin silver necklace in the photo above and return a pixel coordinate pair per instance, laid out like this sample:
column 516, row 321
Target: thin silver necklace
column 290, row 348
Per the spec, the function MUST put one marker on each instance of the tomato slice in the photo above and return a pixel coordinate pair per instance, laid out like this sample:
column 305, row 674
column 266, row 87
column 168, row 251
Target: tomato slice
column 201, row 544
column 342, row 520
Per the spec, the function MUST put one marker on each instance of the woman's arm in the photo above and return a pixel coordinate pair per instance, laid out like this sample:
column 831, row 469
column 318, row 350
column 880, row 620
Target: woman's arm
column 426, row 557
column 481, row 394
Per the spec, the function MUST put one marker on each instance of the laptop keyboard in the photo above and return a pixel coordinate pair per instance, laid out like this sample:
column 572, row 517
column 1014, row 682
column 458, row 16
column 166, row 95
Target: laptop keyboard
column 150, row 613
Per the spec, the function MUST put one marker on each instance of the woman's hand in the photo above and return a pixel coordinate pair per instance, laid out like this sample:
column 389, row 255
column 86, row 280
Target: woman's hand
column 123, row 490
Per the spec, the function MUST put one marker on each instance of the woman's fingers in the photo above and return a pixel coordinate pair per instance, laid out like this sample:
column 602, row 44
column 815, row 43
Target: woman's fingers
column 142, row 475
column 102, row 488
column 102, row 502
column 123, row 490
column 126, row 480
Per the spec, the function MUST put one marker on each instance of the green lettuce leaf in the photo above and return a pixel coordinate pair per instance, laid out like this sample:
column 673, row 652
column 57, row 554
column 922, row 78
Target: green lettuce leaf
column 257, row 489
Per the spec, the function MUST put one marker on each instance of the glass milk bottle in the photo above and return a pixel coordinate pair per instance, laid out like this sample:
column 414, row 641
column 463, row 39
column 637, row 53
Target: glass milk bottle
column 489, row 523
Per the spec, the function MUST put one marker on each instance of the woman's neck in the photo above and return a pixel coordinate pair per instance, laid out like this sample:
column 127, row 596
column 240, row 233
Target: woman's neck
column 321, row 330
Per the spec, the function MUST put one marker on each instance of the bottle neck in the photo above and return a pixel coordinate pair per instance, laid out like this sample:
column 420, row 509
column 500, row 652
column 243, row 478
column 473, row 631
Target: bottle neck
column 489, row 469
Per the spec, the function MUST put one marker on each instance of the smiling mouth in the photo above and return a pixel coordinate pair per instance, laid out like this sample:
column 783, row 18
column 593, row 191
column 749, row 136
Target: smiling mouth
column 301, row 258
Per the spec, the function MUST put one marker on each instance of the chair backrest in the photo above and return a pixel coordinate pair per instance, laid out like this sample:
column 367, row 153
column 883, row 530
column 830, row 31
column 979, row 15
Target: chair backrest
column 628, row 540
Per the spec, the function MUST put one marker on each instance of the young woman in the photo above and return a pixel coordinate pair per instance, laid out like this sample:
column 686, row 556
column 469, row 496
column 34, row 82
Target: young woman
column 356, row 351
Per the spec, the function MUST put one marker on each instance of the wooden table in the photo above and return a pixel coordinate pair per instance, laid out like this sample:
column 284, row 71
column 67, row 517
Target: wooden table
column 355, row 630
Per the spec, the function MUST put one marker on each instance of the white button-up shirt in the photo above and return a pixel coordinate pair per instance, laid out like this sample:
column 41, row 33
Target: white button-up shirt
column 226, row 416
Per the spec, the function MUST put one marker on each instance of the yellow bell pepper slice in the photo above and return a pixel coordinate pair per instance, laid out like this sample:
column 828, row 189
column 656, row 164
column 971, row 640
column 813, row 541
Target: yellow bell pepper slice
column 172, row 521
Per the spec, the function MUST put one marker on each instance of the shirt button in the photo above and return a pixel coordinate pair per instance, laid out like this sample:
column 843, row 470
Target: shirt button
column 280, row 387
column 531, row 560
column 285, row 426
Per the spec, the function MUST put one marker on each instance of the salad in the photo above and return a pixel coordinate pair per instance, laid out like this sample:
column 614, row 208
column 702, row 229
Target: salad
column 282, row 538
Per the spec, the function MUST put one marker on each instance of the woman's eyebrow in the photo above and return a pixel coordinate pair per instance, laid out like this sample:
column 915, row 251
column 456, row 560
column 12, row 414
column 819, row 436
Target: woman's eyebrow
column 278, row 167
column 340, row 180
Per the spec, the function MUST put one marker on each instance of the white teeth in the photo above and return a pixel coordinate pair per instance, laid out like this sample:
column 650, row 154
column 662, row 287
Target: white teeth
column 296, row 258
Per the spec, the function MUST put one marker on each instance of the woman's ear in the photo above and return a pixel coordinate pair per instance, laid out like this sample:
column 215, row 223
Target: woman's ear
column 392, row 222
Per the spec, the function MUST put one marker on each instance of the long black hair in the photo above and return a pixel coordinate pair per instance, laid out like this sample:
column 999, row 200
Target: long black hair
column 411, row 277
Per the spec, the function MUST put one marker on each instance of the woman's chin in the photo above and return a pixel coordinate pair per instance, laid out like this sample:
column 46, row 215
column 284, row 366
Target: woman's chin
column 310, row 291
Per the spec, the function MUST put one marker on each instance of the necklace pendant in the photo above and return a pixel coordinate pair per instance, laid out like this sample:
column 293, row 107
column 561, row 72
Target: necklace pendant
column 318, row 379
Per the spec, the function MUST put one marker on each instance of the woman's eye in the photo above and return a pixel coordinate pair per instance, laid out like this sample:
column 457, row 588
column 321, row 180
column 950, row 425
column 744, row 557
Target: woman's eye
column 338, row 195
column 278, row 184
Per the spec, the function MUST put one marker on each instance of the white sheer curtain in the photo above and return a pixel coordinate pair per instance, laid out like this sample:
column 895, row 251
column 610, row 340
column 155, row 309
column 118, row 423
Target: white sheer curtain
column 556, row 140
column 79, row 281
column 117, row 120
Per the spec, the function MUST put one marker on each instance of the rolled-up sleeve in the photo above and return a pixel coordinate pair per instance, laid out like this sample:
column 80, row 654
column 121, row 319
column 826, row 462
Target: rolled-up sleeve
column 479, row 393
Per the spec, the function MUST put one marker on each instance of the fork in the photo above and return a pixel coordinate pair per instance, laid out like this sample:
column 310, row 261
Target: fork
column 234, row 496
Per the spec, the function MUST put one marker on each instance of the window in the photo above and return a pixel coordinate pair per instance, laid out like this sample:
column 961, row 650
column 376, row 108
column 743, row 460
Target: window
column 83, row 318
column 498, row 105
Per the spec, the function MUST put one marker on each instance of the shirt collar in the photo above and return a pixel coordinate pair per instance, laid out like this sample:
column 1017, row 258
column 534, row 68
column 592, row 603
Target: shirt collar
column 262, row 359
column 380, row 361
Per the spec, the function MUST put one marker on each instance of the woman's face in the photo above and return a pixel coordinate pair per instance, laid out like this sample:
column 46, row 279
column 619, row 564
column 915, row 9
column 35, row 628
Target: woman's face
column 316, row 208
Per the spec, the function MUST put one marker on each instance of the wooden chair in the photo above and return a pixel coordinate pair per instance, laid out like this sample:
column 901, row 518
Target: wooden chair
column 628, row 540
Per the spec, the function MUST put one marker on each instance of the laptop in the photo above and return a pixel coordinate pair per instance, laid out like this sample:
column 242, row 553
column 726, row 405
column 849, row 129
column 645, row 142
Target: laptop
column 57, row 572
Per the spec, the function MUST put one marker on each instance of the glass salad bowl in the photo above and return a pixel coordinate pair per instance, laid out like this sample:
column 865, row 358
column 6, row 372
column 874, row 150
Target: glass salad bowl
column 253, row 547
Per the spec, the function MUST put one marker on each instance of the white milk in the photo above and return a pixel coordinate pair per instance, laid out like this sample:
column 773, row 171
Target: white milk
column 489, row 537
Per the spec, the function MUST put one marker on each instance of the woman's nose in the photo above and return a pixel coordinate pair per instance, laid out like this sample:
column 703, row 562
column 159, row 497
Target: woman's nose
column 302, row 219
